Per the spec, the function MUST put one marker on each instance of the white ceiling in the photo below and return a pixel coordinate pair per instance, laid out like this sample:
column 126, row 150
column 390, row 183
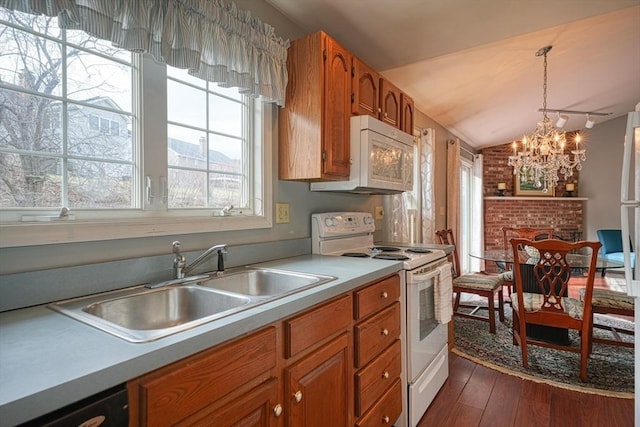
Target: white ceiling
column 471, row 66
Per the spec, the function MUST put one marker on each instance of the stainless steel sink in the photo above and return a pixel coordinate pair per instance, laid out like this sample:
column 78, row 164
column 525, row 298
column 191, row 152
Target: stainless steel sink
column 263, row 282
column 141, row 315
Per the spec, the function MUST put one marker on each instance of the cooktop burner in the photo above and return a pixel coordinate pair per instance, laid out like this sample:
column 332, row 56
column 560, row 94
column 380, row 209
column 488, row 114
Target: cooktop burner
column 419, row 250
column 395, row 257
column 356, row 254
column 386, row 248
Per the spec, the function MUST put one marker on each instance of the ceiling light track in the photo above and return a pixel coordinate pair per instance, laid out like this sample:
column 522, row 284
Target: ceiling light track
column 591, row 113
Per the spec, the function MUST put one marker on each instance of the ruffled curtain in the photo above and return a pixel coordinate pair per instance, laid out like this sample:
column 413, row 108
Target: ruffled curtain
column 213, row 40
column 410, row 215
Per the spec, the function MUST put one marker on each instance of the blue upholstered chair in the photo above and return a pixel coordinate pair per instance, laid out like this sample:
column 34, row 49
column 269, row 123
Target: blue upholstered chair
column 612, row 247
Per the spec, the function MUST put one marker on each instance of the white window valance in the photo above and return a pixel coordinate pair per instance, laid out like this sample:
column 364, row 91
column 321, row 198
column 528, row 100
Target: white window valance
column 214, row 40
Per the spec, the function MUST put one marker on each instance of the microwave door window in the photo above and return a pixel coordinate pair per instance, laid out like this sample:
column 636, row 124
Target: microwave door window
column 386, row 163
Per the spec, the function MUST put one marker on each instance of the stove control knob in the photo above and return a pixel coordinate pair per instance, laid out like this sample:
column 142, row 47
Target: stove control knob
column 368, row 220
column 330, row 221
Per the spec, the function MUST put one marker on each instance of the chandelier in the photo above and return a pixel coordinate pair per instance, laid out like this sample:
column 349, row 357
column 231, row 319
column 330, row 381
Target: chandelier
column 542, row 158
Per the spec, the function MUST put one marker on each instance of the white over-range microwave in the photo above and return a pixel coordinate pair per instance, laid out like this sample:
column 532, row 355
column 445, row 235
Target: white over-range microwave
column 381, row 160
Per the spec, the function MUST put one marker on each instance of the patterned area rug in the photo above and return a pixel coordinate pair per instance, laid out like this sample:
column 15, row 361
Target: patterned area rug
column 610, row 368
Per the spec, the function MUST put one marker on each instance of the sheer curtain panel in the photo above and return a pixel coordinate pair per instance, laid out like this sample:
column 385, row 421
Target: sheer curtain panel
column 215, row 41
column 410, row 215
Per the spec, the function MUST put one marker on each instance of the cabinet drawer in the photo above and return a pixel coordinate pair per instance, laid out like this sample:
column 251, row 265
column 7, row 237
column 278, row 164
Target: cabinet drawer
column 377, row 296
column 376, row 377
column 386, row 410
column 317, row 324
column 174, row 392
column 376, row 333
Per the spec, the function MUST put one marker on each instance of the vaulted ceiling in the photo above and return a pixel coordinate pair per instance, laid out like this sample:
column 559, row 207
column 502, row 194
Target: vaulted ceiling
column 471, row 66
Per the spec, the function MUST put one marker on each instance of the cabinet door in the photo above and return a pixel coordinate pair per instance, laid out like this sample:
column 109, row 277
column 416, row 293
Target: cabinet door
column 366, row 93
column 257, row 408
column 337, row 110
column 389, row 103
column 316, row 388
column 406, row 115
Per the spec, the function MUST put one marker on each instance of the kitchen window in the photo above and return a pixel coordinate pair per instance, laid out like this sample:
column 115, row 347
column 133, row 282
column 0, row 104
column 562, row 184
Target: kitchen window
column 111, row 161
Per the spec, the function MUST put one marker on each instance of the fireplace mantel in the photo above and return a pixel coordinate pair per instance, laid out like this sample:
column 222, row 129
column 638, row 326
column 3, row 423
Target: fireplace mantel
column 537, row 198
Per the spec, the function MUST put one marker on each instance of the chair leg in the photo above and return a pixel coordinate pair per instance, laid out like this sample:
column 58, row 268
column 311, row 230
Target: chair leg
column 501, row 305
column 492, row 314
column 585, row 345
column 523, row 344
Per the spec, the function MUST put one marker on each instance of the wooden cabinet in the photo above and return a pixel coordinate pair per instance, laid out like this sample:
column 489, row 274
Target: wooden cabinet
column 203, row 387
column 366, row 90
column 299, row 371
column 317, row 389
column 390, row 106
column 407, row 113
column 320, row 369
column 377, row 353
column 314, row 123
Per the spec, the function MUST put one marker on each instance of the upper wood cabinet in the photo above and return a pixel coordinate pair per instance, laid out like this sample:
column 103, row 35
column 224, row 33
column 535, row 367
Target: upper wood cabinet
column 390, row 103
column 407, row 113
column 366, row 90
column 314, row 124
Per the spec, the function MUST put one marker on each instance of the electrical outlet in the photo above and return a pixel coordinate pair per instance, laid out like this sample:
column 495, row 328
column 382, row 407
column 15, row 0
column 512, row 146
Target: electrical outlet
column 378, row 212
column 282, row 213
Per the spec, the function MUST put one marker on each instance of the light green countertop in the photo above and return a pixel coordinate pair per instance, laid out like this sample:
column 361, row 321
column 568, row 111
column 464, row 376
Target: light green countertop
column 48, row 360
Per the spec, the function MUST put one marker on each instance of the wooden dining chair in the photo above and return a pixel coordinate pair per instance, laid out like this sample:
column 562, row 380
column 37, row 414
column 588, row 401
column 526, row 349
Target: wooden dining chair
column 546, row 304
column 481, row 284
column 509, row 233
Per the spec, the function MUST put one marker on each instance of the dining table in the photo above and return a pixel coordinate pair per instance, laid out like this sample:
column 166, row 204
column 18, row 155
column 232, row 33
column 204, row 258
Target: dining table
column 578, row 263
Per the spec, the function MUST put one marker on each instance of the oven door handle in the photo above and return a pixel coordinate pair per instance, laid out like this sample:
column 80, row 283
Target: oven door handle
column 425, row 276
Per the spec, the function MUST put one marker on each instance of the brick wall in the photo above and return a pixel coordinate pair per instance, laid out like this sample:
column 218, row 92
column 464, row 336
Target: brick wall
column 565, row 216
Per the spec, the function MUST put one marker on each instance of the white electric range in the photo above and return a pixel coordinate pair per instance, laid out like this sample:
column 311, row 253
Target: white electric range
column 424, row 340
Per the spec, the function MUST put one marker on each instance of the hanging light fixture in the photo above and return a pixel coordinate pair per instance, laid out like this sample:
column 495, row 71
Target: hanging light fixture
column 542, row 159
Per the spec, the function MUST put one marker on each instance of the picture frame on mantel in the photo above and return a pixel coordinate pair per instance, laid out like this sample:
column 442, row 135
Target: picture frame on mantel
column 528, row 189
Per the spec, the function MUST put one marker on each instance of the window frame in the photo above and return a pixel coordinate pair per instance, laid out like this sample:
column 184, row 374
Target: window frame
column 152, row 218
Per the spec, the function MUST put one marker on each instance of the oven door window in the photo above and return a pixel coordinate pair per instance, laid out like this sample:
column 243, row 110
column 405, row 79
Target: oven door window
column 426, row 311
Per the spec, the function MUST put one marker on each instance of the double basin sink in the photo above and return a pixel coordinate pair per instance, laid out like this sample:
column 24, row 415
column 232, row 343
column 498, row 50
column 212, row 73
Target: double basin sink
column 146, row 313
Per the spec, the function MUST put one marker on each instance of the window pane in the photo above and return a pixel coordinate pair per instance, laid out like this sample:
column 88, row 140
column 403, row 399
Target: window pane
column 183, row 75
column 95, row 79
column 85, row 162
column 30, row 181
column 26, row 123
column 30, row 62
column 225, row 115
column 186, row 105
column 87, row 141
column 209, row 155
column 187, row 189
column 95, row 185
column 225, row 189
column 226, row 153
column 38, row 24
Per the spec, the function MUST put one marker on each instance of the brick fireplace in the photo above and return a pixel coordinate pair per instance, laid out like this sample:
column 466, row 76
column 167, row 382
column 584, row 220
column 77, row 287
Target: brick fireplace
column 564, row 213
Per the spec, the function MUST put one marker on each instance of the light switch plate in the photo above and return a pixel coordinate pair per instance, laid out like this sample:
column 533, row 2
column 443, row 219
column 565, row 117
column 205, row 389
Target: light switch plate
column 282, row 213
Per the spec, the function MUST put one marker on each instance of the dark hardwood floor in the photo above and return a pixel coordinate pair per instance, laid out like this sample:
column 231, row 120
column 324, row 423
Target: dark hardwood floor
column 477, row 396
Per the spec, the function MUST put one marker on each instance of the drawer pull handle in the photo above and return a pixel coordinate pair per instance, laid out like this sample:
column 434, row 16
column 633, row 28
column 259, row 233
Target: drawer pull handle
column 385, row 332
column 385, row 375
column 384, row 295
column 277, row 410
column 298, row 396
column 385, row 420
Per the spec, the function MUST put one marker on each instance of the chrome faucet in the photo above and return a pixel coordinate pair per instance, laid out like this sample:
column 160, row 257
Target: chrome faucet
column 180, row 267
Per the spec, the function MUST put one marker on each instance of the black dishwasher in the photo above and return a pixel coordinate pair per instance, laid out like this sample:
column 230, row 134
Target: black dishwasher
column 109, row 408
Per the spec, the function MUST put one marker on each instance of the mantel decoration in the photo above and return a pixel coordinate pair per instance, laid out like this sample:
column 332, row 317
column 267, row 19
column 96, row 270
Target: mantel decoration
column 542, row 159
